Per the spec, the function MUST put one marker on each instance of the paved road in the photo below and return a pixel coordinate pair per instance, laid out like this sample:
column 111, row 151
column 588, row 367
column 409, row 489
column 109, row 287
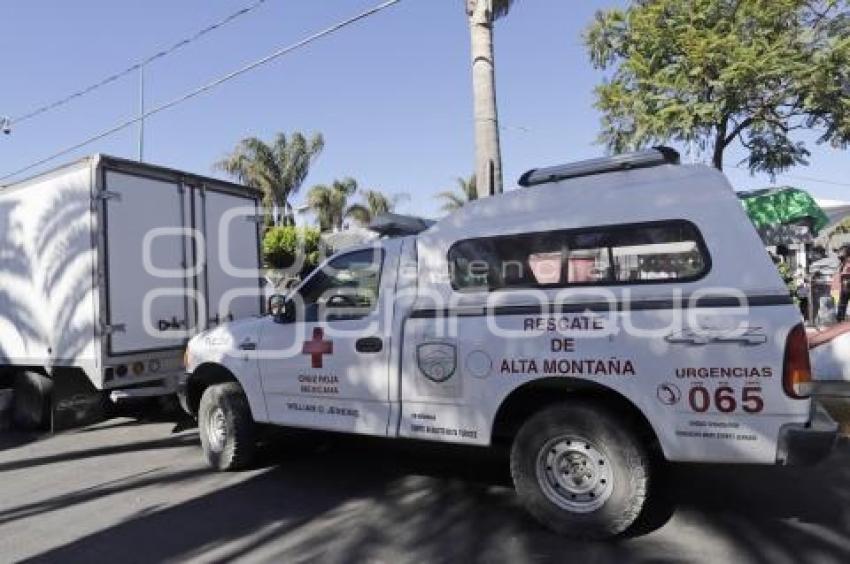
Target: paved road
column 124, row 491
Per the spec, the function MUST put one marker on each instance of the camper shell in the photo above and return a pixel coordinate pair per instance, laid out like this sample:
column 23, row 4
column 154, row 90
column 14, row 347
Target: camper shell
column 109, row 266
column 610, row 313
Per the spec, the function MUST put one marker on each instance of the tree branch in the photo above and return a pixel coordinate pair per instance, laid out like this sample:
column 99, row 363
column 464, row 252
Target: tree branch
column 743, row 142
column 738, row 129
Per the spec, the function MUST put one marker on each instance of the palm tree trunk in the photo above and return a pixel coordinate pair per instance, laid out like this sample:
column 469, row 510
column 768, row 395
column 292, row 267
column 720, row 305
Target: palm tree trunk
column 488, row 156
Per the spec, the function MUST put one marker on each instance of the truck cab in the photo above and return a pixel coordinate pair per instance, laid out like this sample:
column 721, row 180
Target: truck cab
column 608, row 314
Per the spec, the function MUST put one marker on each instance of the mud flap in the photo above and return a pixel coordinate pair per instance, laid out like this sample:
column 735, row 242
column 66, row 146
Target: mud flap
column 76, row 402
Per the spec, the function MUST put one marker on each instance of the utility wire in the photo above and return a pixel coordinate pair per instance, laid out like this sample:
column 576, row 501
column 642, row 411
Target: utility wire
column 742, row 169
column 811, row 179
column 209, row 86
column 134, row 67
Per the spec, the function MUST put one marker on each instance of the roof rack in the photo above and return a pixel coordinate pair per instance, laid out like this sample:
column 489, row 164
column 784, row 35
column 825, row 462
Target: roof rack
column 395, row 225
column 640, row 159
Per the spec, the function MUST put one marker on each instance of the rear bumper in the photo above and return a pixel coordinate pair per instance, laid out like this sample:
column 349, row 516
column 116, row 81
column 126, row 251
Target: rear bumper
column 809, row 443
column 164, row 386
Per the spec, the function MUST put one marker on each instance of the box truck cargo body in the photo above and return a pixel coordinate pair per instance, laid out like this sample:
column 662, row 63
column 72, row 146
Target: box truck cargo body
column 107, row 268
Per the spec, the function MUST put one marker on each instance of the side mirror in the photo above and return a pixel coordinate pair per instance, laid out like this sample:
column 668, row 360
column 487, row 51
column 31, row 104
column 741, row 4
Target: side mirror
column 281, row 309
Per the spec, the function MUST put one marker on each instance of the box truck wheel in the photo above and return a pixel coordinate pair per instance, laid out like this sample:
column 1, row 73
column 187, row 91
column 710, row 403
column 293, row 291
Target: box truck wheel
column 31, row 402
column 228, row 432
column 579, row 471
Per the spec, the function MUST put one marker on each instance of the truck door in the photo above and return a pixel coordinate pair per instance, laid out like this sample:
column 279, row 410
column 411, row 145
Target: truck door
column 330, row 369
column 145, row 263
column 232, row 273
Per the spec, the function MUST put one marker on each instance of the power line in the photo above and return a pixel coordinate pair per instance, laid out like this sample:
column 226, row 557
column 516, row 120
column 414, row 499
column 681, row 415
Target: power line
column 208, row 86
column 804, row 178
column 134, row 67
column 811, row 179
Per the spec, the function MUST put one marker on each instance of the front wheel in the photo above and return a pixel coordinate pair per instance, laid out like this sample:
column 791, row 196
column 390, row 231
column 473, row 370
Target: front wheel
column 579, row 471
column 228, row 432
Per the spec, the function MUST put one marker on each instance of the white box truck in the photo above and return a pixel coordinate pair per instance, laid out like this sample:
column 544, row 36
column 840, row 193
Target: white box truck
column 107, row 268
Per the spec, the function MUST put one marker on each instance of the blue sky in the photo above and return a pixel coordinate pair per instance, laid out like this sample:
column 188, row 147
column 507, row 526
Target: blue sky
column 391, row 95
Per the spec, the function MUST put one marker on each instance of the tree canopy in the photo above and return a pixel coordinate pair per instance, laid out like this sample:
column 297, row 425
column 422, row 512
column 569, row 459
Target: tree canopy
column 374, row 203
column 278, row 169
column 330, row 203
column 714, row 72
column 292, row 247
column 466, row 191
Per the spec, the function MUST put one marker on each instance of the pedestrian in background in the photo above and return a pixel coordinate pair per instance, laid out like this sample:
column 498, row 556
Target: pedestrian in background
column 840, row 288
column 803, row 290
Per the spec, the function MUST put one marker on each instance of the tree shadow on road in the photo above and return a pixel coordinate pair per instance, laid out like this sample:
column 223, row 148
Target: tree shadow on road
column 349, row 499
column 135, row 481
column 10, row 439
column 32, row 462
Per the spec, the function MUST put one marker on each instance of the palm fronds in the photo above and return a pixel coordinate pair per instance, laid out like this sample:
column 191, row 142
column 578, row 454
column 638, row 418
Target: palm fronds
column 278, row 169
column 465, row 192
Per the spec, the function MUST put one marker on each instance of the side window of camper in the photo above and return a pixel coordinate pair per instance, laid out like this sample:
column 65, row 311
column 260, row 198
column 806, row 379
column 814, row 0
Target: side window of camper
column 620, row 254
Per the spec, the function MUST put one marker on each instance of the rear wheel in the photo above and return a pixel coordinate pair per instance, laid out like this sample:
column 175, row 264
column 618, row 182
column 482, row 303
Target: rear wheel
column 31, row 401
column 579, row 471
column 228, row 432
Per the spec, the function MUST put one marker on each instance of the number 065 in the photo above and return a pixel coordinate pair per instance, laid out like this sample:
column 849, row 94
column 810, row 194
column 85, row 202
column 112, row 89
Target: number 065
column 700, row 399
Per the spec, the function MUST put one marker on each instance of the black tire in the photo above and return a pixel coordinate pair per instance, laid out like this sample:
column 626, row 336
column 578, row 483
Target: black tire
column 615, row 460
column 224, row 406
column 31, row 404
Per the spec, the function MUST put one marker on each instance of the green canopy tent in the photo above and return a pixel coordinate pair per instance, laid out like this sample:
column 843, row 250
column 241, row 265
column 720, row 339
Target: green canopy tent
column 784, row 215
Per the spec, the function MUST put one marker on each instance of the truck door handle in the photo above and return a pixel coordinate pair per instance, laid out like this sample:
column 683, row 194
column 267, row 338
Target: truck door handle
column 369, row 345
column 248, row 346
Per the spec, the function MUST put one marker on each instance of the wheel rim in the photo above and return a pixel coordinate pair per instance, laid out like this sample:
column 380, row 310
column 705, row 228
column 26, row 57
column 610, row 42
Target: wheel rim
column 574, row 474
column 216, row 429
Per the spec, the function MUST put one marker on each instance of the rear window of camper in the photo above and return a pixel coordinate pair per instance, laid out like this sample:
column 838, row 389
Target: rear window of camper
column 670, row 251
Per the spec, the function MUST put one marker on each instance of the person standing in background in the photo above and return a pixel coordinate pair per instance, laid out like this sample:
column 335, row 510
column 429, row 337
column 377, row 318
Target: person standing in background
column 840, row 288
column 802, row 292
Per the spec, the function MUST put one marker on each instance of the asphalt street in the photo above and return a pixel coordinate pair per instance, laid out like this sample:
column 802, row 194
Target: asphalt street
column 125, row 491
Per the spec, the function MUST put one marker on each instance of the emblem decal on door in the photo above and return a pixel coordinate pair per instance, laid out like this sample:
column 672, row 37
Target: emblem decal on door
column 437, row 361
column 668, row 393
column 317, row 347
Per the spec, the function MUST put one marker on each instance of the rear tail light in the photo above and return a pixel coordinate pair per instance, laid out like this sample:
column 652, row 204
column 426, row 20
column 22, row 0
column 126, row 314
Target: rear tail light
column 797, row 372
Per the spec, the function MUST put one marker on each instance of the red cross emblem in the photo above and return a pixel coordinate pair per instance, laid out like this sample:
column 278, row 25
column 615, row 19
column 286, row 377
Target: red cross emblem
column 317, row 347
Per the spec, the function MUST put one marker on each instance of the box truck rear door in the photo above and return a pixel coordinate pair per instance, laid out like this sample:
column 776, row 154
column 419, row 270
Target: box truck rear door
column 233, row 259
column 146, row 265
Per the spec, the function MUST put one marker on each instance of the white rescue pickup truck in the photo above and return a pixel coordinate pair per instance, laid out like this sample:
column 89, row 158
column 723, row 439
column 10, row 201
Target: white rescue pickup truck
column 609, row 313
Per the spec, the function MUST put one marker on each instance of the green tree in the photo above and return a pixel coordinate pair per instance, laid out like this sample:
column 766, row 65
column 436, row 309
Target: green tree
column 374, row 203
column 286, row 246
column 488, row 156
column 841, row 229
column 465, row 192
column 714, row 72
column 330, row 203
column 278, row 169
